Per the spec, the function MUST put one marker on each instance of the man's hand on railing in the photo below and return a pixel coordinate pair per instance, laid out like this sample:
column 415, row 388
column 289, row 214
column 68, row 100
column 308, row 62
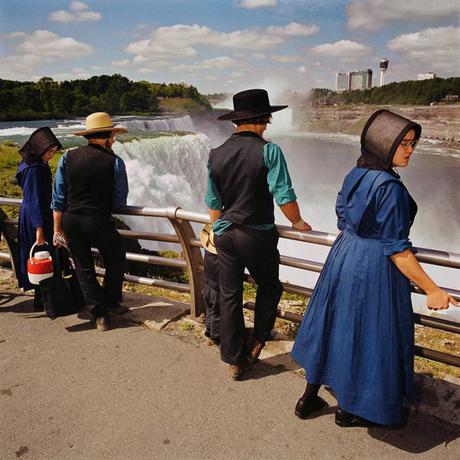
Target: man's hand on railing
column 301, row 226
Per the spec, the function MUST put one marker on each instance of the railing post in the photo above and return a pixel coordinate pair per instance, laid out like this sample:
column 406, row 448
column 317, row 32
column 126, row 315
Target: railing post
column 193, row 258
column 10, row 233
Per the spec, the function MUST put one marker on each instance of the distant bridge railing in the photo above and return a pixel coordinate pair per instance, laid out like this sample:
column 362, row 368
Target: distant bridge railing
column 192, row 261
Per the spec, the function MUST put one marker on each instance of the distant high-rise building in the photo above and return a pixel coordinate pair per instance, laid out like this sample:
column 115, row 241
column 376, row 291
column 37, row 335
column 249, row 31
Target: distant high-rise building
column 361, row 79
column 383, row 69
column 342, row 82
column 426, row 76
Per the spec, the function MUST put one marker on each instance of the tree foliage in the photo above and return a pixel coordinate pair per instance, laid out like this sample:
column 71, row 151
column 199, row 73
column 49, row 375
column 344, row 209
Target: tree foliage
column 114, row 94
column 411, row 92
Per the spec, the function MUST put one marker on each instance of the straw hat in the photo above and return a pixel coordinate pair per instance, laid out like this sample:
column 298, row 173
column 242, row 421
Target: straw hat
column 207, row 239
column 99, row 122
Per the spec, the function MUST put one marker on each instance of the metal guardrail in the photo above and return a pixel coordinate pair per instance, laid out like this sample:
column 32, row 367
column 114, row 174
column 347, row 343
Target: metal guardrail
column 192, row 261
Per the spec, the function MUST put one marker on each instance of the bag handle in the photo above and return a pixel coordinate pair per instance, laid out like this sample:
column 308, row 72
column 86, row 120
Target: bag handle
column 32, row 250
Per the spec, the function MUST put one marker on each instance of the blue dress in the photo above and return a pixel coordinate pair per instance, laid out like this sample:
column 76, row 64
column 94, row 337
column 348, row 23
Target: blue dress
column 357, row 333
column 36, row 184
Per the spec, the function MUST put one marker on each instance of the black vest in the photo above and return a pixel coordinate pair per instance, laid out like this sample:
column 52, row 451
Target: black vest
column 237, row 168
column 90, row 178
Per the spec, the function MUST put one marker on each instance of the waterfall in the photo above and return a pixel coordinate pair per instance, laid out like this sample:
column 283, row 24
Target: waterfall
column 184, row 123
column 165, row 171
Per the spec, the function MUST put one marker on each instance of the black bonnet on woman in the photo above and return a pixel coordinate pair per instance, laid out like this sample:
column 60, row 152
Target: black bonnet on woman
column 381, row 137
column 40, row 141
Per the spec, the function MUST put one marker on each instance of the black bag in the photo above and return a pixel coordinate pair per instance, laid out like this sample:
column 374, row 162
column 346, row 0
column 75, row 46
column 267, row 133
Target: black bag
column 61, row 294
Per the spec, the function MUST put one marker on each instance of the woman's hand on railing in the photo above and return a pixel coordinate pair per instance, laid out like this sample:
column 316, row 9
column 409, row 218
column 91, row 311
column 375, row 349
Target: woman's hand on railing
column 301, row 226
column 438, row 299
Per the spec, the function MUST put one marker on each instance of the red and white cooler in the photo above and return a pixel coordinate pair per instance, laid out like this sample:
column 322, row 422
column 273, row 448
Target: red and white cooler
column 39, row 266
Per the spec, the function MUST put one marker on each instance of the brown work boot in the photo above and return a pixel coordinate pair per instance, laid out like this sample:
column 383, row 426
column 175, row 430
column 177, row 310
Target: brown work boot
column 237, row 370
column 255, row 350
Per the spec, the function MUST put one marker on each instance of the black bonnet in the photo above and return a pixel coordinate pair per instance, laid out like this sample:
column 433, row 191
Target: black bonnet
column 40, row 141
column 381, row 137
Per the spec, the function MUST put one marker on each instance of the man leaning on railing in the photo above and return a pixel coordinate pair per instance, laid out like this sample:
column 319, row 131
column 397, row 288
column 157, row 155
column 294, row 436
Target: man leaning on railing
column 245, row 174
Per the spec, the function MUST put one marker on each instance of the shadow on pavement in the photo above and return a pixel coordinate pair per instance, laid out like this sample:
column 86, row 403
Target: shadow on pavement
column 422, row 434
column 6, row 297
column 266, row 367
column 24, row 306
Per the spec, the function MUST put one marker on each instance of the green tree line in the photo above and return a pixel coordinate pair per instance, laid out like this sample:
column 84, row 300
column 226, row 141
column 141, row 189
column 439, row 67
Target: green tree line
column 114, row 94
column 412, row 92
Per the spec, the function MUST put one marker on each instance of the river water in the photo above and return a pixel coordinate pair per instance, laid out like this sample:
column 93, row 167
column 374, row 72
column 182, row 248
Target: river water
column 171, row 171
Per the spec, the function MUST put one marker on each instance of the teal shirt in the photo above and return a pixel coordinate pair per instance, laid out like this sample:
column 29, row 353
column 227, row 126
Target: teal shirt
column 279, row 184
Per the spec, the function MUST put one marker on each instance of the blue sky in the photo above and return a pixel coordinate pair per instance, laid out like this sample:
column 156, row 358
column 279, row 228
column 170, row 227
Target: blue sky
column 228, row 45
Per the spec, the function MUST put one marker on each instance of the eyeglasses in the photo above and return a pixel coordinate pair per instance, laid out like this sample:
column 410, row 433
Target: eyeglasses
column 405, row 143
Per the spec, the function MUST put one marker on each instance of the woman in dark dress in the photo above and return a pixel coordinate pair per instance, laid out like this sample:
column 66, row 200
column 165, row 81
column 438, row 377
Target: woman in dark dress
column 35, row 215
column 357, row 333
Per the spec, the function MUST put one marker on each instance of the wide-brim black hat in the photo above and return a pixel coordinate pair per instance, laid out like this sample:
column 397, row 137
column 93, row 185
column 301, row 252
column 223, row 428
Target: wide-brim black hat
column 251, row 103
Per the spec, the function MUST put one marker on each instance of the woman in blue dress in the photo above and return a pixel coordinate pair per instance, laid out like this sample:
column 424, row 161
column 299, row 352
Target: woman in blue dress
column 35, row 215
column 357, row 333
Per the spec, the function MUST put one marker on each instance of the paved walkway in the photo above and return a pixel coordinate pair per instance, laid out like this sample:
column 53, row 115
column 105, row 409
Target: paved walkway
column 70, row 392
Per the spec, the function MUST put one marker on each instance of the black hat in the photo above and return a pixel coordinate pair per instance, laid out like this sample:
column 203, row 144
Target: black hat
column 40, row 141
column 381, row 137
column 251, row 103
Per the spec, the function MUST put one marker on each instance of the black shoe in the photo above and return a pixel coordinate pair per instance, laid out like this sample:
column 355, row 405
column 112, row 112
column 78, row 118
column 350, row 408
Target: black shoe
column 102, row 322
column 305, row 407
column 117, row 309
column 346, row 420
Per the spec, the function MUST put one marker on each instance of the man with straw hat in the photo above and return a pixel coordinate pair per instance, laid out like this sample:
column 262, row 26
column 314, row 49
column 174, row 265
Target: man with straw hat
column 90, row 183
column 245, row 174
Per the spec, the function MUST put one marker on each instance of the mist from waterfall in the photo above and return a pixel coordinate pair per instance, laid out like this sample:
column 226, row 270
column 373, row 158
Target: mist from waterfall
column 165, row 171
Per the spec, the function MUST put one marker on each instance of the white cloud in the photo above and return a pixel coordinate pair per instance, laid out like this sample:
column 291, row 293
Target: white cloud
column 221, row 62
column 178, row 41
column 13, row 35
column 343, row 50
column 375, row 14
column 74, row 74
column 77, row 7
column 259, row 55
column 436, row 49
column 50, row 46
column 302, row 69
column 78, row 11
column 294, row 29
column 121, row 63
column 286, row 59
column 37, row 49
column 251, row 4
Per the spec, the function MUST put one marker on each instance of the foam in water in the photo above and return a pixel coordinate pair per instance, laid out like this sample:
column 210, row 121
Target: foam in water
column 19, row 131
column 161, row 124
column 162, row 172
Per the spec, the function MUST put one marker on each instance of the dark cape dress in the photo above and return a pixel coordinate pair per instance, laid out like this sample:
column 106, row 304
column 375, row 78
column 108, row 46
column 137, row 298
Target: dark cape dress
column 36, row 184
column 357, row 333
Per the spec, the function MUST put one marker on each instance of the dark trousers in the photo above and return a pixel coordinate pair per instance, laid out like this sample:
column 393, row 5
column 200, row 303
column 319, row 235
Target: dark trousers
column 211, row 295
column 86, row 231
column 237, row 248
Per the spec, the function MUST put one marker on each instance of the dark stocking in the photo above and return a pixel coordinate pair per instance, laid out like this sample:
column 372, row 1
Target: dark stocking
column 311, row 391
column 38, row 302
